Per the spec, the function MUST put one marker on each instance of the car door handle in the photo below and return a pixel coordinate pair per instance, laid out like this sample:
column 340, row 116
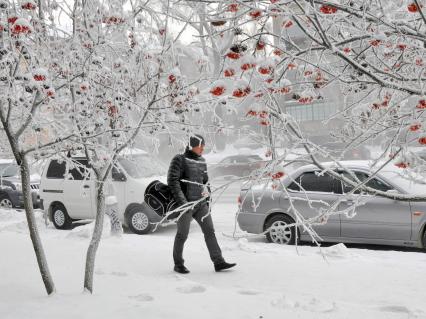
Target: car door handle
column 86, row 186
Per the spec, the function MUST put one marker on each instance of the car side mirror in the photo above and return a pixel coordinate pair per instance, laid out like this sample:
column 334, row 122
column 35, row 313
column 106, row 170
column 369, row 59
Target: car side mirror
column 118, row 176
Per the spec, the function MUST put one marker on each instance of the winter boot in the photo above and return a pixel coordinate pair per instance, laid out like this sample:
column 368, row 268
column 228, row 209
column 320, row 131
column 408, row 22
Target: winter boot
column 181, row 269
column 223, row 266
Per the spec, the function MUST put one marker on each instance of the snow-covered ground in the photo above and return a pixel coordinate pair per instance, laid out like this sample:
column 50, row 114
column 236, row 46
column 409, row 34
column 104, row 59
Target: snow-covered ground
column 134, row 277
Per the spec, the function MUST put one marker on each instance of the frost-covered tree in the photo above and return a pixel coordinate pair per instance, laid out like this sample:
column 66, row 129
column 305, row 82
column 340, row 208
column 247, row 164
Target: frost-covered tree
column 366, row 57
column 28, row 109
column 131, row 84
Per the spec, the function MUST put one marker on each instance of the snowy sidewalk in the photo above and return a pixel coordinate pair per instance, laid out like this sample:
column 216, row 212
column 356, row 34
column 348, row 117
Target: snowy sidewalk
column 134, row 278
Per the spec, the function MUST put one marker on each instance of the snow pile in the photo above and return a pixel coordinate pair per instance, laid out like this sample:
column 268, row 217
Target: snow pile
column 336, row 251
column 86, row 231
column 15, row 221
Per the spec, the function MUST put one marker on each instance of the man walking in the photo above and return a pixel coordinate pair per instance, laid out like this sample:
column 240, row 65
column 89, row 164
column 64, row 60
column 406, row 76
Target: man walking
column 187, row 178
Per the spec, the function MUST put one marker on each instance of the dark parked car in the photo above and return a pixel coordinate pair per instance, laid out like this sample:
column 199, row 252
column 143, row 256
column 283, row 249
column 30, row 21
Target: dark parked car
column 11, row 187
column 237, row 165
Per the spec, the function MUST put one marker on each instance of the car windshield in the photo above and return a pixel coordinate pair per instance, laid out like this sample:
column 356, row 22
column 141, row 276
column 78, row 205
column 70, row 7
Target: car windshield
column 139, row 166
column 254, row 158
column 414, row 185
column 9, row 169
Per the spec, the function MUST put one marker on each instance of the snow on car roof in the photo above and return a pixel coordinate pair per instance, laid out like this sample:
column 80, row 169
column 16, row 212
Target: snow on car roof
column 7, row 161
column 363, row 164
column 133, row 151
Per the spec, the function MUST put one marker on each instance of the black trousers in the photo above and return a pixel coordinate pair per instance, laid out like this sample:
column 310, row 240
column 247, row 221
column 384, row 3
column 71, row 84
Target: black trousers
column 206, row 225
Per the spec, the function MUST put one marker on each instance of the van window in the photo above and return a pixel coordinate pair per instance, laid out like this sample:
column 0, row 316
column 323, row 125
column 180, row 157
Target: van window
column 56, row 169
column 140, row 166
column 80, row 171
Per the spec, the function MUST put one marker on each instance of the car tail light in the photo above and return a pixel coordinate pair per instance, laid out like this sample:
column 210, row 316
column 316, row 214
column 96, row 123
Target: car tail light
column 239, row 200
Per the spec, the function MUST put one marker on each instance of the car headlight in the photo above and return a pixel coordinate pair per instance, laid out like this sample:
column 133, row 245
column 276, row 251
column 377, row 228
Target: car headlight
column 18, row 187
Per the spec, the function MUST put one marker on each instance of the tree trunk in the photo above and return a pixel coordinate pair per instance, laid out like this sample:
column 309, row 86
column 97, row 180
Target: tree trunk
column 96, row 237
column 32, row 226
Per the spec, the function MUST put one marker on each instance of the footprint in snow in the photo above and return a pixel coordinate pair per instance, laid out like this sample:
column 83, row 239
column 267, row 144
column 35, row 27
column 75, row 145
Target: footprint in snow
column 191, row 289
column 312, row 305
column 401, row 309
column 119, row 274
column 249, row 292
column 142, row 297
column 316, row 305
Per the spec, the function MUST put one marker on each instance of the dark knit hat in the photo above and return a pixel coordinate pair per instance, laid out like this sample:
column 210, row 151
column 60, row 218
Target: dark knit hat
column 196, row 140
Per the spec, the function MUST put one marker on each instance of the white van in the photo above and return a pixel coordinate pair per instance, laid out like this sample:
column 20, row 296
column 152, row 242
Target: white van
column 68, row 193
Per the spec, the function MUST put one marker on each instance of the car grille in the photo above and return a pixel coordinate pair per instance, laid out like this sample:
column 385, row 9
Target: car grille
column 35, row 186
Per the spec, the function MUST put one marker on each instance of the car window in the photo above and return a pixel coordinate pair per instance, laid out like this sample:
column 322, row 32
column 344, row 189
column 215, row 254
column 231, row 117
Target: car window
column 117, row 174
column 80, row 170
column 56, row 169
column 252, row 159
column 9, row 169
column 312, row 182
column 243, row 160
column 139, row 166
column 373, row 183
column 226, row 161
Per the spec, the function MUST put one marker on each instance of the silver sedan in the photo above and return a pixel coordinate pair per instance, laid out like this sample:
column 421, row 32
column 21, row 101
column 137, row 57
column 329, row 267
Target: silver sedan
column 377, row 220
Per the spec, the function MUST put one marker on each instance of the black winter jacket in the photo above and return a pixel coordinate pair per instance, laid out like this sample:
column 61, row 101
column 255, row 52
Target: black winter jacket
column 192, row 168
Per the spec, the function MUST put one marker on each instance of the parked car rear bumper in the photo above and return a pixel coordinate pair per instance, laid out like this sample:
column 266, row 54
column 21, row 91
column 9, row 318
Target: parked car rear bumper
column 17, row 199
column 251, row 222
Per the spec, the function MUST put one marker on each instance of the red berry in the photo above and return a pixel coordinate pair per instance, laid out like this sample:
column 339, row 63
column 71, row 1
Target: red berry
column 265, row 70
column 229, row 72
column 413, row 8
column 255, row 14
column 421, row 104
column 233, row 55
column 172, row 78
column 241, row 92
column 277, row 175
column 39, row 77
column 415, row 127
column 422, row 140
column 375, row 42
column 28, row 6
column 217, row 90
column 233, row 7
column 327, row 9
column 277, row 52
column 287, row 24
column 247, row 66
column 12, row 20
column 260, row 45
column 402, row 165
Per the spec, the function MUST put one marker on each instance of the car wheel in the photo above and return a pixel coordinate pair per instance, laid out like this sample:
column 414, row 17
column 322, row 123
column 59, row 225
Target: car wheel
column 138, row 220
column 279, row 232
column 60, row 217
column 424, row 240
column 5, row 201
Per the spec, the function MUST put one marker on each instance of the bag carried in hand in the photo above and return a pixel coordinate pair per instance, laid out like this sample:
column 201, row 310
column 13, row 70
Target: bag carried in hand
column 159, row 198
